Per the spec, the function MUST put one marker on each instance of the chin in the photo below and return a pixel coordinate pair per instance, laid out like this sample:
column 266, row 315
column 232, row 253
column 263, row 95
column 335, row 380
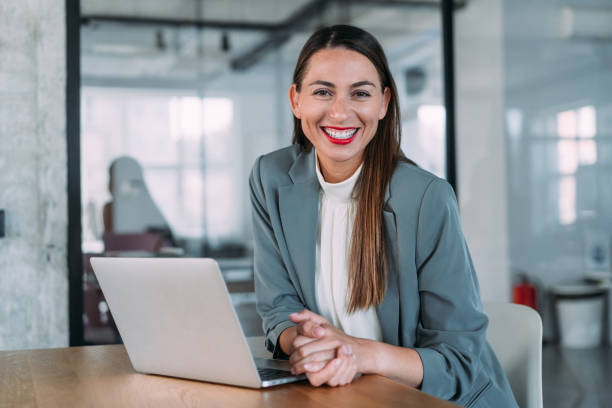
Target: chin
column 339, row 156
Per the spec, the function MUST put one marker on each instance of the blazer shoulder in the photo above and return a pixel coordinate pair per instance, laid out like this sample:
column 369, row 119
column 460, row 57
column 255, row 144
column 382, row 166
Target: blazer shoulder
column 274, row 167
column 410, row 183
column 412, row 178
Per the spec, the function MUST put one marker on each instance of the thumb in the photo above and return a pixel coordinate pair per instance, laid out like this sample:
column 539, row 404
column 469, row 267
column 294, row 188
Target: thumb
column 297, row 317
column 307, row 315
column 310, row 329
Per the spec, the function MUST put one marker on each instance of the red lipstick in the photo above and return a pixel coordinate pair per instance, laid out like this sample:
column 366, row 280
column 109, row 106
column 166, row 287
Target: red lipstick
column 340, row 141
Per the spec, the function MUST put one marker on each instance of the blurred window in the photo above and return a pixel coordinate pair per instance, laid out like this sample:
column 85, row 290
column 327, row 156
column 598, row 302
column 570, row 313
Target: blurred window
column 181, row 142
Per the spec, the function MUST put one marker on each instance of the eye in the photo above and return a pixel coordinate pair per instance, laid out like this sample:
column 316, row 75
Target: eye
column 322, row 92
column 361, row 94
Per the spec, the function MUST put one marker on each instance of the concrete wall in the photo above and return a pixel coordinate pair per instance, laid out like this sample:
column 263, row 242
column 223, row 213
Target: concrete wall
column 33, row 267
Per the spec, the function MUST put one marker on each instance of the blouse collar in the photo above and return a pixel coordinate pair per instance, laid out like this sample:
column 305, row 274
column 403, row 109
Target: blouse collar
column 341, row 191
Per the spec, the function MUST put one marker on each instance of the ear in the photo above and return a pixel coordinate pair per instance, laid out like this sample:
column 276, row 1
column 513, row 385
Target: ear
column 386, row 99
column 294, row 99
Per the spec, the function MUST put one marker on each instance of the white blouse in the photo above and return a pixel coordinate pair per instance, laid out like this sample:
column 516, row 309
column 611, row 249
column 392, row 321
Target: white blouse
column 336, row 218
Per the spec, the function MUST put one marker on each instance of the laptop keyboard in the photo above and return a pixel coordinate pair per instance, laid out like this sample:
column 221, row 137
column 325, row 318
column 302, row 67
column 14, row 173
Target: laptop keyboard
column 267, row 374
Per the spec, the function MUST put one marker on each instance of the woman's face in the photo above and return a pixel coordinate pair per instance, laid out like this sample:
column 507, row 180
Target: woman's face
column 339, row 104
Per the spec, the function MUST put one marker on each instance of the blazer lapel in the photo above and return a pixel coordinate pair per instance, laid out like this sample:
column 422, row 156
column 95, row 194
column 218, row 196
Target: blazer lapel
column 299, row 213
column 388, row 311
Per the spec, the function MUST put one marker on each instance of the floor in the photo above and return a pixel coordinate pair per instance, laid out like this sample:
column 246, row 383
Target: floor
column 577, row 378
column 572, row 378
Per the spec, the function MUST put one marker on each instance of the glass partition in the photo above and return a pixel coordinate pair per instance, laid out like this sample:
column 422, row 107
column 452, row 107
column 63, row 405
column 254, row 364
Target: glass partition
column 174, row 113
column 558, row 114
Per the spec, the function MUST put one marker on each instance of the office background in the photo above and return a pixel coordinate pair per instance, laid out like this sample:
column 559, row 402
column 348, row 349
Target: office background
column 196, row 104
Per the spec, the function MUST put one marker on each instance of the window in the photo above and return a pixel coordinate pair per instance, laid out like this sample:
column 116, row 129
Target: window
column 575, row 147
column 180, row 148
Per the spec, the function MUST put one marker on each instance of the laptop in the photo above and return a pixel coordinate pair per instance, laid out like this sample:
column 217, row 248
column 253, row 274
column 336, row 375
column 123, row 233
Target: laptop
column 176, row 318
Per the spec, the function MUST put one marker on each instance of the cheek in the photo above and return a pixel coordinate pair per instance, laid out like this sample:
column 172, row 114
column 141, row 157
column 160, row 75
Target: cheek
column 370, row 114
column 312, row 115
column 309, row 122
column 369, row 117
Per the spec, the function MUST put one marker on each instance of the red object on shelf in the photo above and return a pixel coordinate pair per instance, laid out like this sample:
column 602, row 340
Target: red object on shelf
column 525, row 293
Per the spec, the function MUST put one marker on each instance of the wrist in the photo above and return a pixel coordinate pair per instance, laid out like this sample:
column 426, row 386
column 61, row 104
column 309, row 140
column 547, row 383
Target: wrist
column 286, row 339
column 368, row 358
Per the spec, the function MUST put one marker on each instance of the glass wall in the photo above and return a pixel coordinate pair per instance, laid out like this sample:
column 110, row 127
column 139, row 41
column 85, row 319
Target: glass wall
column 559, row 132
column 558, row 108
column 181, row 150
column 173, row 117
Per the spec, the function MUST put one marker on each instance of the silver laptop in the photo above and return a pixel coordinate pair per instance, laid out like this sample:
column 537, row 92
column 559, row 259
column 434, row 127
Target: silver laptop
column 176, row 318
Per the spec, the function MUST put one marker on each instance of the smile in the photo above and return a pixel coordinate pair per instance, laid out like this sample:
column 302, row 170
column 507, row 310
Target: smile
column 339, row 135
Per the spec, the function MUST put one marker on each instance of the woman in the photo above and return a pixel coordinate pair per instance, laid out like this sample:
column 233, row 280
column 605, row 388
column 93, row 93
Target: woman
column 360, row 262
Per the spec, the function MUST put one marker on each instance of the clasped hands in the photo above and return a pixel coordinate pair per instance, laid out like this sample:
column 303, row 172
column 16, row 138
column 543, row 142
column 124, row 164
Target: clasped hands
column 323, row 352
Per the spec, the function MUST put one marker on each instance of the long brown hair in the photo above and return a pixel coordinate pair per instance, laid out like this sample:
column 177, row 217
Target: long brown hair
column 368, row 264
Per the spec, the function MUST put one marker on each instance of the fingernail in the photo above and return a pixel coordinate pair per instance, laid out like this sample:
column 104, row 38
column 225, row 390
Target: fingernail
column 319, row 331
column 336, row 362
column 308, row 366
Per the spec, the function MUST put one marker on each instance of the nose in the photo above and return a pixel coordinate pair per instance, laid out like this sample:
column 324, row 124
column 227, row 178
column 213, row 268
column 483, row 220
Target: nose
column 339, row 109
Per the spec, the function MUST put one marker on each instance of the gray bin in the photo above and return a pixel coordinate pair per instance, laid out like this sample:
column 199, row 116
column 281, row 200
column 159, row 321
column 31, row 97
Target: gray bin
column 580, row 312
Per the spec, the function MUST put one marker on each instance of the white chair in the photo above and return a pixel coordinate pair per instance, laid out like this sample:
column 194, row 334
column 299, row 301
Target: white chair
column 515, row 334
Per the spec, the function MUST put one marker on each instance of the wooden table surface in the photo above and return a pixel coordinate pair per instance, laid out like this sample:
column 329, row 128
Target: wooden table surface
column 102, row 376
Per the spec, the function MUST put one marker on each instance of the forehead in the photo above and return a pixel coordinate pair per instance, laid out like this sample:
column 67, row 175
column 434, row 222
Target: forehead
column 339, row 65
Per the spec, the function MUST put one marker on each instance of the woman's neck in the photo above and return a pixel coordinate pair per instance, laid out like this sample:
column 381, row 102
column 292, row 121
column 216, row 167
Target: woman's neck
column 336, row 172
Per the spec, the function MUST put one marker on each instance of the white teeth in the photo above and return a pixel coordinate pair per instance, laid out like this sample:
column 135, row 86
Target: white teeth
column 340, row 134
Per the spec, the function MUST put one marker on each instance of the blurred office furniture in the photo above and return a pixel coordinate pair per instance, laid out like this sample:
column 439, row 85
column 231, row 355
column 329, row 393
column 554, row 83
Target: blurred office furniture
column 99, row 326
column 238, row 276
column 604, row 280
column 237, row 273
column 515, row 334
column 145, row 241
column 579, row 310
column 131, row 209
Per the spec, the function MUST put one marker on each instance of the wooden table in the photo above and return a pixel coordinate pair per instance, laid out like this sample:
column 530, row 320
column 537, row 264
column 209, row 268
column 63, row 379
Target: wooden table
column 102, row 376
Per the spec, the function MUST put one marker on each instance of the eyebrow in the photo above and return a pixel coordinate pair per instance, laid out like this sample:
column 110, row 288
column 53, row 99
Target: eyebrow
column 355, row 85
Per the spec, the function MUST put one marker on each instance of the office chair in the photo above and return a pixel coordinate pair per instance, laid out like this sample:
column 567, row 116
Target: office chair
column 145, row 241
column 515, row 334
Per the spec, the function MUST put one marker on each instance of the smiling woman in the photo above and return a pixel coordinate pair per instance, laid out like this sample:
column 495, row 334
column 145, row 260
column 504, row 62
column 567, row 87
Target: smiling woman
column 339, row 117
column 360, row 262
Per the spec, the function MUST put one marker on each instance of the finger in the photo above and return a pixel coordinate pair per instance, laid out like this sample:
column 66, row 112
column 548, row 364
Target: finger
column 309, row 368
column 345, row 376
column 304, row 327
column 307, row 315
column 321, row 356
column 326, row 343
column 341, row 372
column 310, row 329
column 349, row 375
column 325, row 374
column 314, row 367
column 299, row 341
column 345, row 352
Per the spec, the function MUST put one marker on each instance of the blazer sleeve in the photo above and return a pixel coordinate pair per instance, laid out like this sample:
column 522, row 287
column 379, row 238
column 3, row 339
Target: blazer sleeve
column 275, row 294
column 451, row 333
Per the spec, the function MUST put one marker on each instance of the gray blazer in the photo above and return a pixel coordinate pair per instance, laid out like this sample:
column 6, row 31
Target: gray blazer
column 432, row 303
